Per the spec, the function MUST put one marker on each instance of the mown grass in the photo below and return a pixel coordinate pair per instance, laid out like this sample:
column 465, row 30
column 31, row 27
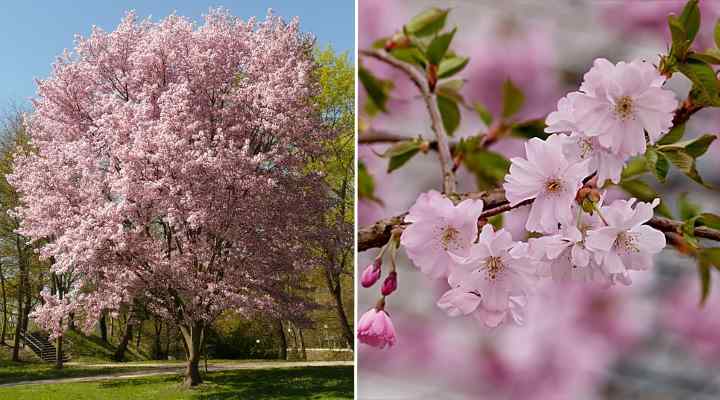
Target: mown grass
column 318, row 383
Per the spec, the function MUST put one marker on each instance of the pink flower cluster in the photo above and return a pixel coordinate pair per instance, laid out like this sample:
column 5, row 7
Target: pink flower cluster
column 594, row 132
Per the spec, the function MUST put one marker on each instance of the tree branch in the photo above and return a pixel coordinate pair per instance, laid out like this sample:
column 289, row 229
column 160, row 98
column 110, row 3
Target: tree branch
column 378, row 234
column 430, row 99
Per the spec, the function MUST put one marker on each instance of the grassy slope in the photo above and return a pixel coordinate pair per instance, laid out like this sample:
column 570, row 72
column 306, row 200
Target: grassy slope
column 319, row 383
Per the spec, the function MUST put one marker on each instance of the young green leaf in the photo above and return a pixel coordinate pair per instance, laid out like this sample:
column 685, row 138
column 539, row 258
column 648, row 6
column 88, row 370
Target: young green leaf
column 451, row 66
column 698, row 146
column 717, row 33
column 400, row 153
column 450, row 113
column 705, row 84
column 711, row 256
column 686, row 208
column 484, row 114
column 644, row 192
column 678, row 35
column 439, row 46
column 411, row 55
column 489, row 167
column 690, row 18
column 530, row 129
column 377, row 90
column 427, row 22
column 366, row 184
column 513, row 99
column 657, row 164
column 685, row 162
column 635, row 167
column 704, row 272
column 675, row 134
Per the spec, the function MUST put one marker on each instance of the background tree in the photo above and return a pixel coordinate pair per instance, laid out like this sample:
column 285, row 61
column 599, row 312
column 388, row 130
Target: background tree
column 336, row 105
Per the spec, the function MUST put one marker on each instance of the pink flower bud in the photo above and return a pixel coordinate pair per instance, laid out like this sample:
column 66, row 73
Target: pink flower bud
column 390, row 284
column 371, row 274
column 376, row 329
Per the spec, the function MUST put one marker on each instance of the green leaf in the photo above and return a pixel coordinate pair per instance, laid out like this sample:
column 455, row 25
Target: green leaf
column 400, row 153
column 679, row 37
column 439, row 46
column 644, row 192
column 513, row 99
column 685, row 162
column 366, row 184
column 427, row 22
column 451, row 66
column 635, row 167
column 698, row 146
column 711, row 56
column 657, row 164
column 711, row 256
column 705, row 84
column 450, row 113
column 704, row 219
column 451, row 89
column 496, row 221
column 489, row 167
column 717, row 33
column 675, row 134
column 690, row 18
column 704, row 273
column 484, row 114
column 530, row 129
column 380, row 43
column 411, row 55
column 686, row 208
column 377, row 90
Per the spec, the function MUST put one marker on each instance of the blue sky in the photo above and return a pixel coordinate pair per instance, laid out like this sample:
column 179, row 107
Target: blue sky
column 34, row 32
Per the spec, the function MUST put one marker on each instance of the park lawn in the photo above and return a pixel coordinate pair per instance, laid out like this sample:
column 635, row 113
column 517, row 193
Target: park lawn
column 25, row 371
column 319, row 383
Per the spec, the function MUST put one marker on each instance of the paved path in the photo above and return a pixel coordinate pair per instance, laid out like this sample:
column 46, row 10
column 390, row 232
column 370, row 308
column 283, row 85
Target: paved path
column 175, row 368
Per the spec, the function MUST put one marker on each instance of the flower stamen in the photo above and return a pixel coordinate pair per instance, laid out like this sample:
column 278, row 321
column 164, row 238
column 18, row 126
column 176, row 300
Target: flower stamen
column 494, row 266
column 624, row 108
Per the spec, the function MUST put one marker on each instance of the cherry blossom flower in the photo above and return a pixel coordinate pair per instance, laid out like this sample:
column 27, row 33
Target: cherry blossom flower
column 438, row 228
column 376, row 329
column 569, row 259
column 492, row 281
column 619, row 103
column 578, row 147
column 548, row 177
column 625, row 243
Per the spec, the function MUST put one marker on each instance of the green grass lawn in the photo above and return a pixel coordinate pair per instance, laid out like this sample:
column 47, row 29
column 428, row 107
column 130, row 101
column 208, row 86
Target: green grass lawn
column 24, row 371
column 319, row 383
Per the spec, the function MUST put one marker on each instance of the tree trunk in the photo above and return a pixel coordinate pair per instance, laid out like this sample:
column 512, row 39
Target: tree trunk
column 103, row 327
column 193, row 338
column 303, row 352
column 18, row 325
column 282, row 349
column 336, row 291
column 139, row 336
column 157, row 343
column 120, row 351
column 59, row 353
column 4, row 303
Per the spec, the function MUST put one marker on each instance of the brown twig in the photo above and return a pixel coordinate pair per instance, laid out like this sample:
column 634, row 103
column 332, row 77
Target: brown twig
column 377, row 234
column 419, row 79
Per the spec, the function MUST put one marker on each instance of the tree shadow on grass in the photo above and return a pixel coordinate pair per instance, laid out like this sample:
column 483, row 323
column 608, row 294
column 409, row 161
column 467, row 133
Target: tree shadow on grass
column 271, row 384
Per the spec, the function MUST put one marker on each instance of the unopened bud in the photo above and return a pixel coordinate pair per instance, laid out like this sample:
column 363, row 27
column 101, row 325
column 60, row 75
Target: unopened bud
column 390, row 284
column 371, row 274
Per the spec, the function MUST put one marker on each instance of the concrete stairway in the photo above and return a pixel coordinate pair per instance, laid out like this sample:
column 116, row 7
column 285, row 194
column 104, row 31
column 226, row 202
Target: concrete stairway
column 40, row 344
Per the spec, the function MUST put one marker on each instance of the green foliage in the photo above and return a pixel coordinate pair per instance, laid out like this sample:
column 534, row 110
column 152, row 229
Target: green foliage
column 378, row 91
column 366, row 184
column 401, row 152
column 427, row 22
column 451, row 66
column 530, row 129
column 439, row 46
column 484, row 114
column 488, row 167
column 513, row 99
column 450, row 113
column 644, row 192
